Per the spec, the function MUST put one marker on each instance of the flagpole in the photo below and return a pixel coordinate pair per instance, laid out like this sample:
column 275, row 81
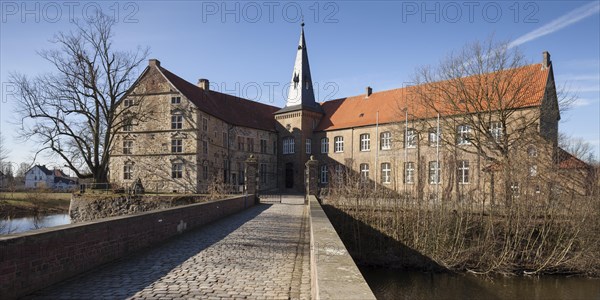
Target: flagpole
column 376, row 145
column 405, row 146
column 437, row 159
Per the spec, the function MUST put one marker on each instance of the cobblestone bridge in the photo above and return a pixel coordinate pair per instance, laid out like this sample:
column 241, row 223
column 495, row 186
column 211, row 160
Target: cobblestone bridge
column 262, row 252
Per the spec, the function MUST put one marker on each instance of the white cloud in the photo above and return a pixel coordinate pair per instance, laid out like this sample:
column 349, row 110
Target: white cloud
column 572, row 17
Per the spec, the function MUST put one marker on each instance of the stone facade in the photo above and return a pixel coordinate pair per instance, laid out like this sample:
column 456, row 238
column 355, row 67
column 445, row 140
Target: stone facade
column 362, row 138
column 175, row 146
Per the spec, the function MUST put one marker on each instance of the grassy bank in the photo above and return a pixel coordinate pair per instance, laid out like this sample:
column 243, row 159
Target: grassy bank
column 525, row 238
column 19, row 204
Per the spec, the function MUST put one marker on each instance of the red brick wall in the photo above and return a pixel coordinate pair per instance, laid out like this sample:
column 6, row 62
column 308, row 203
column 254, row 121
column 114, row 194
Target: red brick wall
column 37, row 259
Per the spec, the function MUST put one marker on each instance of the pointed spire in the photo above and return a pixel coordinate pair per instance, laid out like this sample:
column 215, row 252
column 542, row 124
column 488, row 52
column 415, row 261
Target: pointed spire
column 301, row 89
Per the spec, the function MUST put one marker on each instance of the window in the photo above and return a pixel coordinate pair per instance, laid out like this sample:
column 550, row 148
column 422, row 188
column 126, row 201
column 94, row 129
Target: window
column 533, row 170
column 365, row 142
column 339, row 173
column 323, row 176
column 409, row 172
column 308, row 146
column 250, row 142
column 127, row 147
column 225, row 171
column 263, row 146
column 496, row 131
column 434, row 137
column 338, row 144
column 532, row 151
column 177, row 170
column 241, row 178
column 225, row 142
column 128, row 124
column 176, row 146
column 386, row 173
column 205, row 124
column 127, row 171
column 128, row 102
column 386, row 140
column 515, row 189
column 463, row 172
column 289, row 145
column 411, row 138
column 240, row 143
column 263, row 174
column 324, row 145
column 434, row 172
column 463, row 134
column 175, row 100
column 364, row 172
column 176, row 122
column 205, row 170
column 205, row 147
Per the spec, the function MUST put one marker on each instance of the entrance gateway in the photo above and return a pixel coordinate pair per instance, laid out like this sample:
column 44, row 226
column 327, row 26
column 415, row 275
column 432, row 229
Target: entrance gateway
column 289, row 175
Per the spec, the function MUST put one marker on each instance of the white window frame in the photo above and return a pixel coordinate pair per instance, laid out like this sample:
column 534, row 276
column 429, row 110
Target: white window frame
column 365, row 142
column 176, row 122
column 410, row 138
column 176, row 146
column 324, row 174
column 434, row 137
column 463, row 133
column 386, row 140
column 463, row 172
column 128, row 171
column 308, row 146
column 434, row 172
column 386, row 173
column 176, row 100
column 496, row 130
column 338, row 144
column 324, row 145
column 177, row 170
column 533, row 170
column 127, row 147
column 364, row 171
column 289, row 145
column 409, row 172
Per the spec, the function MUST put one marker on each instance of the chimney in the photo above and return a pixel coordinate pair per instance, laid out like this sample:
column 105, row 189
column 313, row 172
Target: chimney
column 369, row 92
column 546, row 62
column 153, row 62
column 204, row 84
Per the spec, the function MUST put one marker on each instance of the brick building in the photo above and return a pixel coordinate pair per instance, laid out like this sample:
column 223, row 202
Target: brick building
column 185, row 137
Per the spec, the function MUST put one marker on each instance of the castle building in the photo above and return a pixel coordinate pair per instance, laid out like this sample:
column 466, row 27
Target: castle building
column 177, row 136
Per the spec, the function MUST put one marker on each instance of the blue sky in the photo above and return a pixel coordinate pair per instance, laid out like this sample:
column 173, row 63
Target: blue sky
column 248, row 48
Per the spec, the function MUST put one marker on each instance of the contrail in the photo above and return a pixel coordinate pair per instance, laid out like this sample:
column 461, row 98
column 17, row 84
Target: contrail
column 574, row 16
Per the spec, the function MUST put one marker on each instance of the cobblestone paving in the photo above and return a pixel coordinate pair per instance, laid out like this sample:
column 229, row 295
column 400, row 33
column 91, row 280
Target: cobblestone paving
column 260, row 253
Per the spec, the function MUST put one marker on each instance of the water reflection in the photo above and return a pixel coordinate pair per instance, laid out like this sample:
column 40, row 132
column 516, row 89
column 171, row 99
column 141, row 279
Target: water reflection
column 17, row 225
column 398, row 284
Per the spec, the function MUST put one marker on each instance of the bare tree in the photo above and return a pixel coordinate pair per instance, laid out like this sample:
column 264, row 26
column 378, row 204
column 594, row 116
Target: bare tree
column 72, row 113
column 577, row 147
column 3, row 152
column 489, row 98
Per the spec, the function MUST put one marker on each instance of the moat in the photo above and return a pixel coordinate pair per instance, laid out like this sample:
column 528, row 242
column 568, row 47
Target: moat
column 402, row 284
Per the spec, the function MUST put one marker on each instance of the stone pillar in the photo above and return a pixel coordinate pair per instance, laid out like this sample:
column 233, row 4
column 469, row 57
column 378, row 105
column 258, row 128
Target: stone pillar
column 311, row 176
column 251, row 179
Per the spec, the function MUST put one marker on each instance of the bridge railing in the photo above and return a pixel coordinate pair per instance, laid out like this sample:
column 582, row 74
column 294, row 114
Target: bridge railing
column 334, row 275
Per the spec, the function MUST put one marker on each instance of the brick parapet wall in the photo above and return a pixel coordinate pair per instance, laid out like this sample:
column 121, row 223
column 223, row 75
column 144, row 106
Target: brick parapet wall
column 40, row 258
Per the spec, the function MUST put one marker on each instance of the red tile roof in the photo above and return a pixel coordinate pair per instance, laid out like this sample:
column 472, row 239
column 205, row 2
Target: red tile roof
column 231, row 109
column 567, row 161
column 361, row 111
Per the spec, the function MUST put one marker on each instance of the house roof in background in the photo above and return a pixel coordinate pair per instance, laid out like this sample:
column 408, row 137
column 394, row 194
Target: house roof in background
column 231, row 109
column 361, row 110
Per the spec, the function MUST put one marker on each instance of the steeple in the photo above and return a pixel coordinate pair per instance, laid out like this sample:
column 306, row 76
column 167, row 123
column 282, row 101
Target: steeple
column 301, row 94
